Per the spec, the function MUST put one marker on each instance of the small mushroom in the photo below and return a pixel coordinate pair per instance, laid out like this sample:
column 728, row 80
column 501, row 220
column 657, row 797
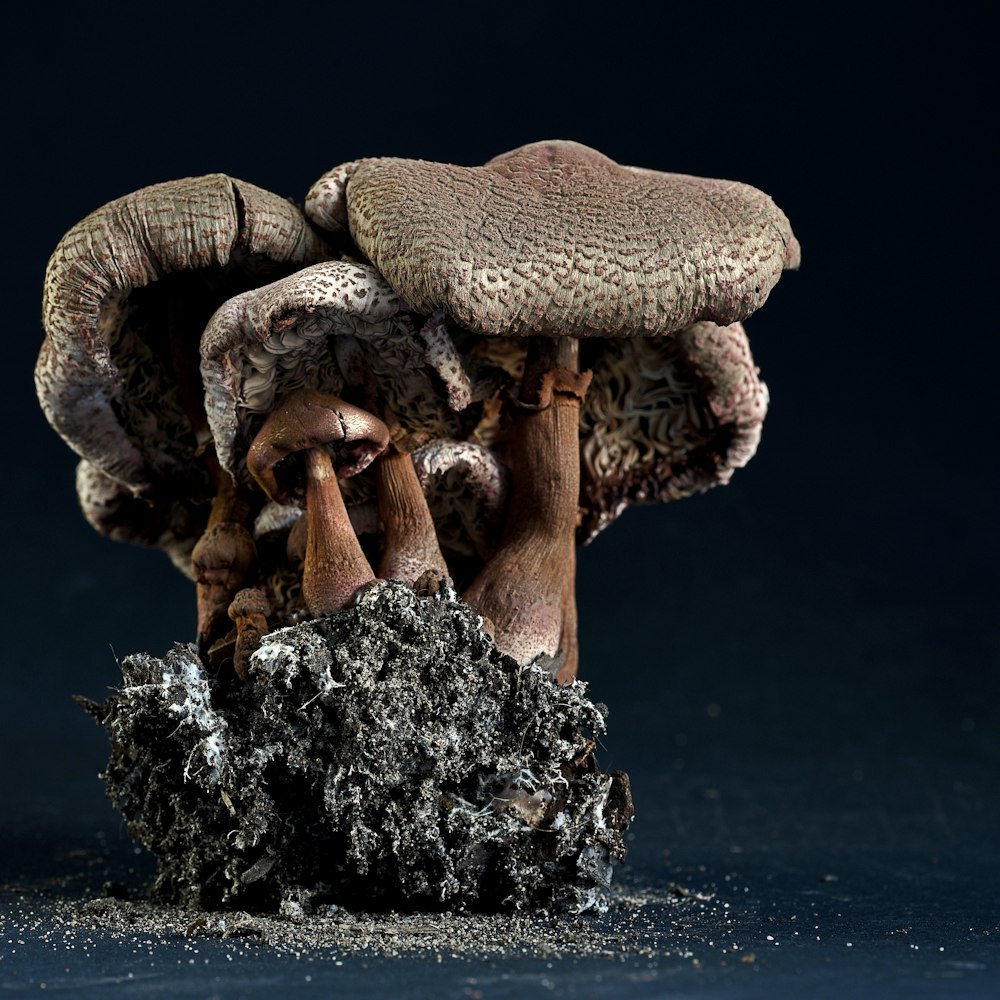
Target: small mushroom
column 127, row 294
column 554, row 242
column 338, row 327
column 304, row 423
column 248, row 610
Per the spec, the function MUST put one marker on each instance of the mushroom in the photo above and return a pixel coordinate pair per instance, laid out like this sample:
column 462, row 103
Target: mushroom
column 127, row 294
column 337, row 327
column 249, row 611
column 304, row 423
column 556, row 243
column 454, row 354
column 328, row 326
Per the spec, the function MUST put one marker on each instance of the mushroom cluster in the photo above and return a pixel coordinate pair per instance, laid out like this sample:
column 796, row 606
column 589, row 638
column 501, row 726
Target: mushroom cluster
column 428, row 373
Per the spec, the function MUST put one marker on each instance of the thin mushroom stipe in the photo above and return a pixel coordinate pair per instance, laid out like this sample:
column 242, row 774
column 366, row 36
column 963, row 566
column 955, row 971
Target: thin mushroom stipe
column 335, row 566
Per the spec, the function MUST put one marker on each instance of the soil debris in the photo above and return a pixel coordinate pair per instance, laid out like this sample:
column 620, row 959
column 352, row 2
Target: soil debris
column 385, row 757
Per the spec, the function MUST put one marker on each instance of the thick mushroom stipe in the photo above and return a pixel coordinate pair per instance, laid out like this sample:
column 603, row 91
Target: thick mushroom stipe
column 525, row 590
column 225, row 557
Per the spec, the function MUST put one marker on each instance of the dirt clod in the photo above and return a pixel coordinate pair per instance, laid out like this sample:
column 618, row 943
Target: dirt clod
column 388, row 756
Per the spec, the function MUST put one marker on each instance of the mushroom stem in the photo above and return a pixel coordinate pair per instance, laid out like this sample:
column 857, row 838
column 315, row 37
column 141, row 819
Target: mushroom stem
column 224, row 557
column 526, row 588
column 410, row 549
column 249, row 610
column 335, row 567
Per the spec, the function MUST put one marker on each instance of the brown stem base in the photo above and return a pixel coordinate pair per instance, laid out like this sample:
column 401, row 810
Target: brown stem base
column 410, row 548
column 335, row 567
column 526, row 589
column 224, row 558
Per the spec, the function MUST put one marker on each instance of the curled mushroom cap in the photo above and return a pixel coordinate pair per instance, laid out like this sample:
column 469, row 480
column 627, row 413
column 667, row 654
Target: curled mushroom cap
column 556, row 237
column 333, row 324
column 665, row 418
column 310, row 420
column 117, row 374
column 305, row 423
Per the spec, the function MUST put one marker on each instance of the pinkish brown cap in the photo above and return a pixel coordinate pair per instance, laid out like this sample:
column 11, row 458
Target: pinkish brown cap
column 557, row 238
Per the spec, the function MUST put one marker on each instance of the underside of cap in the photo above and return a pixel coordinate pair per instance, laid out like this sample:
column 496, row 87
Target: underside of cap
column 101, row 375
column 666, row 418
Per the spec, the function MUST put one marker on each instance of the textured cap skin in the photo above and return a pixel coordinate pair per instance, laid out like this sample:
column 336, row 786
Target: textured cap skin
column 292, row 333
column 185, row 225
column 557, row 238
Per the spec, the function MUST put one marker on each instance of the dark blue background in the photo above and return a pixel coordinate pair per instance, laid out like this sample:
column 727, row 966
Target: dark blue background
column 802, row 665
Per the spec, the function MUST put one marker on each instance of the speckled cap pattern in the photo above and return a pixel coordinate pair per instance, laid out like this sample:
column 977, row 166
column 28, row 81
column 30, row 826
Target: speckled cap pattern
column 557, row 238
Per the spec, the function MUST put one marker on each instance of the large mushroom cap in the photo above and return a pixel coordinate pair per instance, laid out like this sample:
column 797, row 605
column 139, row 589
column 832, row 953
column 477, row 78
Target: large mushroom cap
column 109, row 370
column 556, row 237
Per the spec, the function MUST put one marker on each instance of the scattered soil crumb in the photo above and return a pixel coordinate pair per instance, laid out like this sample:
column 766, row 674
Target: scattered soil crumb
column 645, row 925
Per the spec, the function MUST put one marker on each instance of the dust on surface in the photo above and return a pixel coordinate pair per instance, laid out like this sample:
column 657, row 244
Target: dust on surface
column 635, row 924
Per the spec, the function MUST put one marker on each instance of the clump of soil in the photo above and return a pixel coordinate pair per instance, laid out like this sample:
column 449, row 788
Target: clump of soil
column 386, row 756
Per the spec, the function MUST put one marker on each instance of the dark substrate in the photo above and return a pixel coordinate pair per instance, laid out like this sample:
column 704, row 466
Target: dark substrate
column 386, row 756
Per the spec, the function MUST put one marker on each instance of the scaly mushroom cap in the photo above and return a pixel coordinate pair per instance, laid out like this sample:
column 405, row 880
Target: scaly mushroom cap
column 555, row 237
column 333, row 323
column 667, row 417
column 109, row 370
